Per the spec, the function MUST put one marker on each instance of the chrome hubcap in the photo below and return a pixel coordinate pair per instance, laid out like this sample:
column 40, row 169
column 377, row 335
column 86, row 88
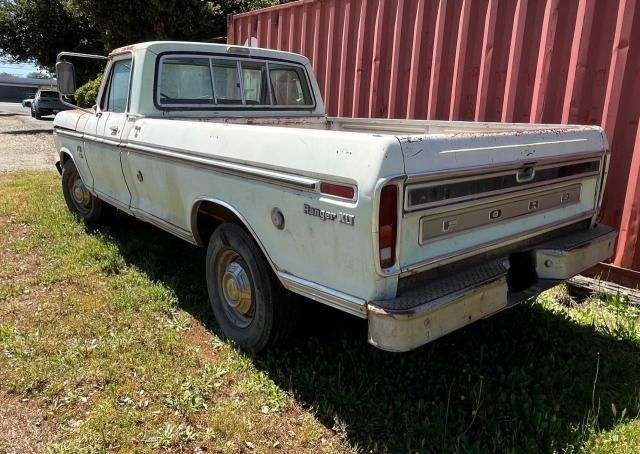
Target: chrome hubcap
column 237, row 288
column 80, row 193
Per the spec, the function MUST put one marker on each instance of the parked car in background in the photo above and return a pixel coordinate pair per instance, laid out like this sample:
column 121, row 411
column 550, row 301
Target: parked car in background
column 46, row 102
column 27, row 102
column 419, row 226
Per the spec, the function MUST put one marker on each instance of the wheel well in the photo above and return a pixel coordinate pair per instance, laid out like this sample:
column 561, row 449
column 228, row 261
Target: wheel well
column 64, row 157
column 208, row 216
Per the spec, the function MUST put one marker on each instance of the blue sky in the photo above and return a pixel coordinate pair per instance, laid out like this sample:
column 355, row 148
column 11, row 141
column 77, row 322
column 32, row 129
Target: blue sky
column 17, row 69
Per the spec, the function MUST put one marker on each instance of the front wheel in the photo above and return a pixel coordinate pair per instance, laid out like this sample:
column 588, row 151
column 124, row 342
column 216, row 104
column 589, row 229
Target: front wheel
column 247, row 301
column 79, row 200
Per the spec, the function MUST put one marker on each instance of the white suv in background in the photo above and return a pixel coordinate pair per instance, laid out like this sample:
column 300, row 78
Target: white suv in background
column 46, row 102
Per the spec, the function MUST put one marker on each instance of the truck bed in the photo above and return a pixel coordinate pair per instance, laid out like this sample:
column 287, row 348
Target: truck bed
column 401, row 128
column 545, row 162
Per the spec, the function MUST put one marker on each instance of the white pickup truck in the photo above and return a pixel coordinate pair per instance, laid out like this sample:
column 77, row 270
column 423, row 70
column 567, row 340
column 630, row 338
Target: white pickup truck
column 421, row 227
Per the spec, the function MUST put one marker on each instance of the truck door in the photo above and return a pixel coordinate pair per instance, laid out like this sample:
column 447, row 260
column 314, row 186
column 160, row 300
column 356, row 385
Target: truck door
column 102, row 136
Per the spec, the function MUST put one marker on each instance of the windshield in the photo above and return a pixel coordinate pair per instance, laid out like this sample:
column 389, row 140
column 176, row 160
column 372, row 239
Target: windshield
column 49, row 94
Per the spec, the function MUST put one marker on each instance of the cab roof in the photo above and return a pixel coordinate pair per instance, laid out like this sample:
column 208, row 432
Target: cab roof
column 158, row 47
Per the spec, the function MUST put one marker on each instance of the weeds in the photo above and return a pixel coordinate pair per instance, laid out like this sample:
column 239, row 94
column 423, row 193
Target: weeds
column 171, row 436
column 6, row 334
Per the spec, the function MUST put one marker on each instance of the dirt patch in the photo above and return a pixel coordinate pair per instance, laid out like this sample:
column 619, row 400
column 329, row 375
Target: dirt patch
column 17, row 267
column 23, row 428
column 25, row 146
column 199, row 338
column 19, row 294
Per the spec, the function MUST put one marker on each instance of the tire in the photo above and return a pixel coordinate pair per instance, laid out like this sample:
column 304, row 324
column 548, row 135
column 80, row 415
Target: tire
column 249, row 304
column 32, row 113
column 79, row 200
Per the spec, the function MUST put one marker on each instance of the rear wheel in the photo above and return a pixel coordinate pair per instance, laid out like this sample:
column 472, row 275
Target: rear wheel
column 247, row 301
column 79, row 200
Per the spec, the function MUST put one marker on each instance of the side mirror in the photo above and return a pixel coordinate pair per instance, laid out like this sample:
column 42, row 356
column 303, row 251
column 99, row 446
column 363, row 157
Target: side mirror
column 27, row 103
column 66, row 76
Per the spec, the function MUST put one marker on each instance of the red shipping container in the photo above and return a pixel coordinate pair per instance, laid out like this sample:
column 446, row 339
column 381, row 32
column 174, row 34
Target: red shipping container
column 544, row 61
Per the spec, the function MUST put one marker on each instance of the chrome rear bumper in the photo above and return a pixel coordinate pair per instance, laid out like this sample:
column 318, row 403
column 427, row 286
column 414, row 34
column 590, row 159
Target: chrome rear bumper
column 444, row 305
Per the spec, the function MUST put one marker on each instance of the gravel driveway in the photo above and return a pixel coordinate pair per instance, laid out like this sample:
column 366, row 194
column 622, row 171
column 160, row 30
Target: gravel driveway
column 24, row 143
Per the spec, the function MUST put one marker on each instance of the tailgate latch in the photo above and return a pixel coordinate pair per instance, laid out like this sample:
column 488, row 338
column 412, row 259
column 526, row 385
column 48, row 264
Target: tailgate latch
column 525, row 175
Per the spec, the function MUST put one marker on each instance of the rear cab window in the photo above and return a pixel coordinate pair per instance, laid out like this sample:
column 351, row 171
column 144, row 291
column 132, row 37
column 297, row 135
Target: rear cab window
column 218, row 83
column 186, row 81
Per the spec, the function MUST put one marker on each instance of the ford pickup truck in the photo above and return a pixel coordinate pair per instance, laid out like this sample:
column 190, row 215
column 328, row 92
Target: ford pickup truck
column 420, row 227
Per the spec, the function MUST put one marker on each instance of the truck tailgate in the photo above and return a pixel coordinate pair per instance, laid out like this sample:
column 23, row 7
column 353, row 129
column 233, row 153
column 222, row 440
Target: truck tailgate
column 471, row 192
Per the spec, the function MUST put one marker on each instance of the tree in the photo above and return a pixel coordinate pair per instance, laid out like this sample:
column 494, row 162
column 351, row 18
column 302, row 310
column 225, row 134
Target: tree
column 122, row 22
column 36, row 30
column 250, row 5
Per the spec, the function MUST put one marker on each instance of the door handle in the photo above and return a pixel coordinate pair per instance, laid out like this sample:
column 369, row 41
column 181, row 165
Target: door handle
column 114, row 130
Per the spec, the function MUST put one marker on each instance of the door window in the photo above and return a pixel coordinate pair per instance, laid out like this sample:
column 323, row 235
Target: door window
column 116, row 93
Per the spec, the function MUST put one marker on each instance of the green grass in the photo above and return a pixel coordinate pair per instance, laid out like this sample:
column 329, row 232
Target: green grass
column 119, row 351
column 109, row 333
column 623, row 438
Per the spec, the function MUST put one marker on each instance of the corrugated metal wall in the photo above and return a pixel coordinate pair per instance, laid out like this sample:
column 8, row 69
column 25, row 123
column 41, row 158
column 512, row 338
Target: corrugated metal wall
column 551, row 61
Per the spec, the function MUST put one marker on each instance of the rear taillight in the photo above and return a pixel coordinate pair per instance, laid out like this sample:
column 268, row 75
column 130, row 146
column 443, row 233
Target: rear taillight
column 388, row 225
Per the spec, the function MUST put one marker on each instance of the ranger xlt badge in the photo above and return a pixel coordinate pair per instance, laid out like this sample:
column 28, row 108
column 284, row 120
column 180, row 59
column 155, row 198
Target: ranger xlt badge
column 343, row 218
